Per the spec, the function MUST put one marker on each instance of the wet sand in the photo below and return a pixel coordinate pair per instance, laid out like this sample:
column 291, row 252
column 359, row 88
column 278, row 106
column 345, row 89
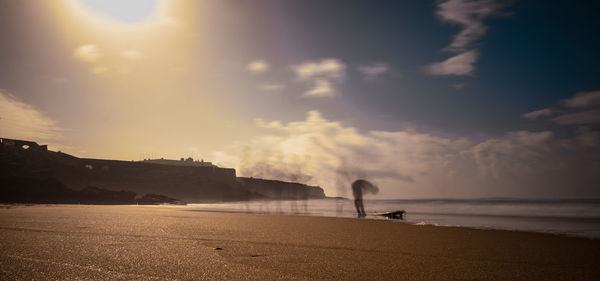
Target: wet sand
column 66, row 242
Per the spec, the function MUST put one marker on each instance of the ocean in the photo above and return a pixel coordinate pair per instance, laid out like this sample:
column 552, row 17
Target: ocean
column 572, row 217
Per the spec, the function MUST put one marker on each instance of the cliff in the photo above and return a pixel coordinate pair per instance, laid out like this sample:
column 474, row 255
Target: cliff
column 275, row 189
column 189, row 183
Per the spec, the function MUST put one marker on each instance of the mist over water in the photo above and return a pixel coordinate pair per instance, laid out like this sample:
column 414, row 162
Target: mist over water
column 574, row 217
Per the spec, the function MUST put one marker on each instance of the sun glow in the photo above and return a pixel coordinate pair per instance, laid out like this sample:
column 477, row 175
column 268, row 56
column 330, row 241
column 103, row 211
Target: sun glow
column 119, row 19
column 127, row 12
column 156, row 74
column 113, row 37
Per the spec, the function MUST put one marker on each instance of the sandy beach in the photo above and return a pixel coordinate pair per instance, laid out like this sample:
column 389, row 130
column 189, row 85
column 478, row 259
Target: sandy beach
column 69, row 242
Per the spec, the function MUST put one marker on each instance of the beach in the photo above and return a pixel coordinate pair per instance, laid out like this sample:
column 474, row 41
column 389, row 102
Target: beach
column 60, row 242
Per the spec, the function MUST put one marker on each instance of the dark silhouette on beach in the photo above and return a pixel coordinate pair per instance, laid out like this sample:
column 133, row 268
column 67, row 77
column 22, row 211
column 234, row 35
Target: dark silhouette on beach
column 358, row 188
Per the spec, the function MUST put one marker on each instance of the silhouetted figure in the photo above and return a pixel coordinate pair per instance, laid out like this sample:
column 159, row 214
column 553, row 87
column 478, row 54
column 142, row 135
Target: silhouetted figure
column 358, row 188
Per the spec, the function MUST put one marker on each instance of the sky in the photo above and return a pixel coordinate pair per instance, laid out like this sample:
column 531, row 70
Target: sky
column 451, row 98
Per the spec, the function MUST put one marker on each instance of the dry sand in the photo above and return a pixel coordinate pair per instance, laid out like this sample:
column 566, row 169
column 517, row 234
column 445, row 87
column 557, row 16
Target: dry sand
column 67, row 242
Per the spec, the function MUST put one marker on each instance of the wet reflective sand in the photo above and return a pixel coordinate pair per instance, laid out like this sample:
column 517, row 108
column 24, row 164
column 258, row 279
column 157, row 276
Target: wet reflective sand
column 61, row 242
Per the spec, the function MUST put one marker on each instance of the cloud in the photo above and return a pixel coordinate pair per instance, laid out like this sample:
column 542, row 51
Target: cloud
column 538, row 113
column 469, row 14
column 409, row 163
column 88, row 53
column 105, row 63
column 573, row 111
column 322, row 88
column 579, row 118
column 583, row 99
column 461, row 64
column 92, row 55
column 319, row 151
column 22, row 121
column 371, row 71
column 322, row 75
column 326, row 68
column 518, row 152
column 258, row 66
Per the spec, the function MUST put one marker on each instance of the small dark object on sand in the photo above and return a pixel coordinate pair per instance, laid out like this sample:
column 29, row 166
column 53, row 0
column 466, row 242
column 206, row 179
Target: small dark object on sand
column 397, row 215
column 218, row 248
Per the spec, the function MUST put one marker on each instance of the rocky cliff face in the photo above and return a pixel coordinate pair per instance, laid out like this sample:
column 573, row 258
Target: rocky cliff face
column 275, row 189
column 192, row 184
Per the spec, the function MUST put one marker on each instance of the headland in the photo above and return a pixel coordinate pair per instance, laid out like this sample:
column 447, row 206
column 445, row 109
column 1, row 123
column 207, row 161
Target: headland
column 30, row 172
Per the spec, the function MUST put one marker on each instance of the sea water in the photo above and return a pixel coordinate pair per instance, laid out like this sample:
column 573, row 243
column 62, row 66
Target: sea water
column 573, row 217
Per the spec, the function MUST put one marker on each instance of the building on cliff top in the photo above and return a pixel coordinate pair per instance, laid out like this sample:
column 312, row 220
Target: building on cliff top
column 189, row 162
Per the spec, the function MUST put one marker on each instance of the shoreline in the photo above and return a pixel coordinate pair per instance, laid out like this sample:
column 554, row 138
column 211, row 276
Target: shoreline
column 370, row 217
